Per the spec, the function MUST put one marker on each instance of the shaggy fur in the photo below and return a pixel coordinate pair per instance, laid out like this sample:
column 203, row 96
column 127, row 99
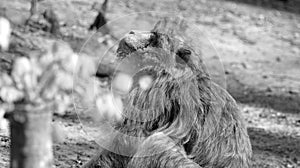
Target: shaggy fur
column 183, row 120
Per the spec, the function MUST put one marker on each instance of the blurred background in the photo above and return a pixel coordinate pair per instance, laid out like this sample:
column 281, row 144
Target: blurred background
column 257, row 42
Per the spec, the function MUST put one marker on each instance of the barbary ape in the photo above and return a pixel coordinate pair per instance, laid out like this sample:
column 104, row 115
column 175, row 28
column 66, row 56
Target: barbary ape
column 184, row 119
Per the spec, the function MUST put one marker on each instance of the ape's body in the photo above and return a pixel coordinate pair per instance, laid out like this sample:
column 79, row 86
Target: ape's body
column 183, row 120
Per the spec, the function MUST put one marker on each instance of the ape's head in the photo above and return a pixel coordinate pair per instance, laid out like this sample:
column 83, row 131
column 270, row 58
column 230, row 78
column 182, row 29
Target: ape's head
column 165, row 45
column 175, row 102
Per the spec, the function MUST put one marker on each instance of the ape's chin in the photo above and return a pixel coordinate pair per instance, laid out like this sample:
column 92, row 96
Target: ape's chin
column 163, row 105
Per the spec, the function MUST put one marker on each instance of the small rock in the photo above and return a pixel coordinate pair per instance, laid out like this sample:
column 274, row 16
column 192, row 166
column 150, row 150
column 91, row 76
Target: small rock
column 228, row 17
column 245, row 37
column 261, row 17
column 278, row 59
column 295, row 50
column 277, row 13
column 2, row 143
column 244, row 65
column 297, row 123
column 183, row 5
column 263, row 115
column 295, row 159
column 280, row 115
column 292, row 92
column 269, row 89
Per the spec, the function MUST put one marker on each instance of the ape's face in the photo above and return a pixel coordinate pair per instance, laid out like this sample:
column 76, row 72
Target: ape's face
column 159, row 47
column 172, row 64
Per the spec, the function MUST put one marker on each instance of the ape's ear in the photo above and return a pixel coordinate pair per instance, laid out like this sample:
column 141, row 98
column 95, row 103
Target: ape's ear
column 184, row 54
column 170, row 26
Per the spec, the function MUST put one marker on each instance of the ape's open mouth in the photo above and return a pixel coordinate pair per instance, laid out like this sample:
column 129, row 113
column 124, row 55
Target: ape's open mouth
column 135, row 52
column 140, row 50
column 137, row 41
column 134, row 44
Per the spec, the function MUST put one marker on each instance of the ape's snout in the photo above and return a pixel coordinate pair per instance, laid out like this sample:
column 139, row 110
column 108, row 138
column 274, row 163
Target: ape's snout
column 138, row 40
column 134, row 41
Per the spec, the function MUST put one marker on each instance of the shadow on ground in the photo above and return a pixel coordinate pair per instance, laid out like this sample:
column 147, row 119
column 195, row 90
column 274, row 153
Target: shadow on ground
column 287, row 102
column 292, row 6
column 276, row 149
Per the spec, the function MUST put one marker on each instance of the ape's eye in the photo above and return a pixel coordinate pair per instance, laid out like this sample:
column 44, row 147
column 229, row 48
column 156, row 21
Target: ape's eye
column 184, row 54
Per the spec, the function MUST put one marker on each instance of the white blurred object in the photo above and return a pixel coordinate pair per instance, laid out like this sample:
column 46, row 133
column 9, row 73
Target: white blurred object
column 109, row 107
column 4, row 127
column 5, row 31
column 86, row 66
column 70, row 62
column 122, row 83
column 63, row 103
column 61, row 50
column 145, row 82
column 10, row 94
column 45, row 59
column 5, row 80
column 58, row 132
column 64, row 80
column 21, row 66
column 23, row 74
column 73, row 62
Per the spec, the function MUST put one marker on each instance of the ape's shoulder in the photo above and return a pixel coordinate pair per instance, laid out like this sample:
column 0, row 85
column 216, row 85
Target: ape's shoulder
column 222, row 93
column 224, row 102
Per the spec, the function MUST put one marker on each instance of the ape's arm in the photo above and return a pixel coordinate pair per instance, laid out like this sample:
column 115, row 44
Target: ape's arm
column 160, row 151
column 107, row 159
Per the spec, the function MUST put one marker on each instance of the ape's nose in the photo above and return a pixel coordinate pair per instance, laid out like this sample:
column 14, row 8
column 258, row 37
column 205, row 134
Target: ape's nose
column 138, row 39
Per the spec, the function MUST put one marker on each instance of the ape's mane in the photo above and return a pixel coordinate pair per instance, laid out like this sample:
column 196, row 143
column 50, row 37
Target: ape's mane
column 174, row 106
column 180, row 97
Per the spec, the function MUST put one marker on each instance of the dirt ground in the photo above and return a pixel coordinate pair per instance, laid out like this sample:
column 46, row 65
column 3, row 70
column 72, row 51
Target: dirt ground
column 257, row 44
